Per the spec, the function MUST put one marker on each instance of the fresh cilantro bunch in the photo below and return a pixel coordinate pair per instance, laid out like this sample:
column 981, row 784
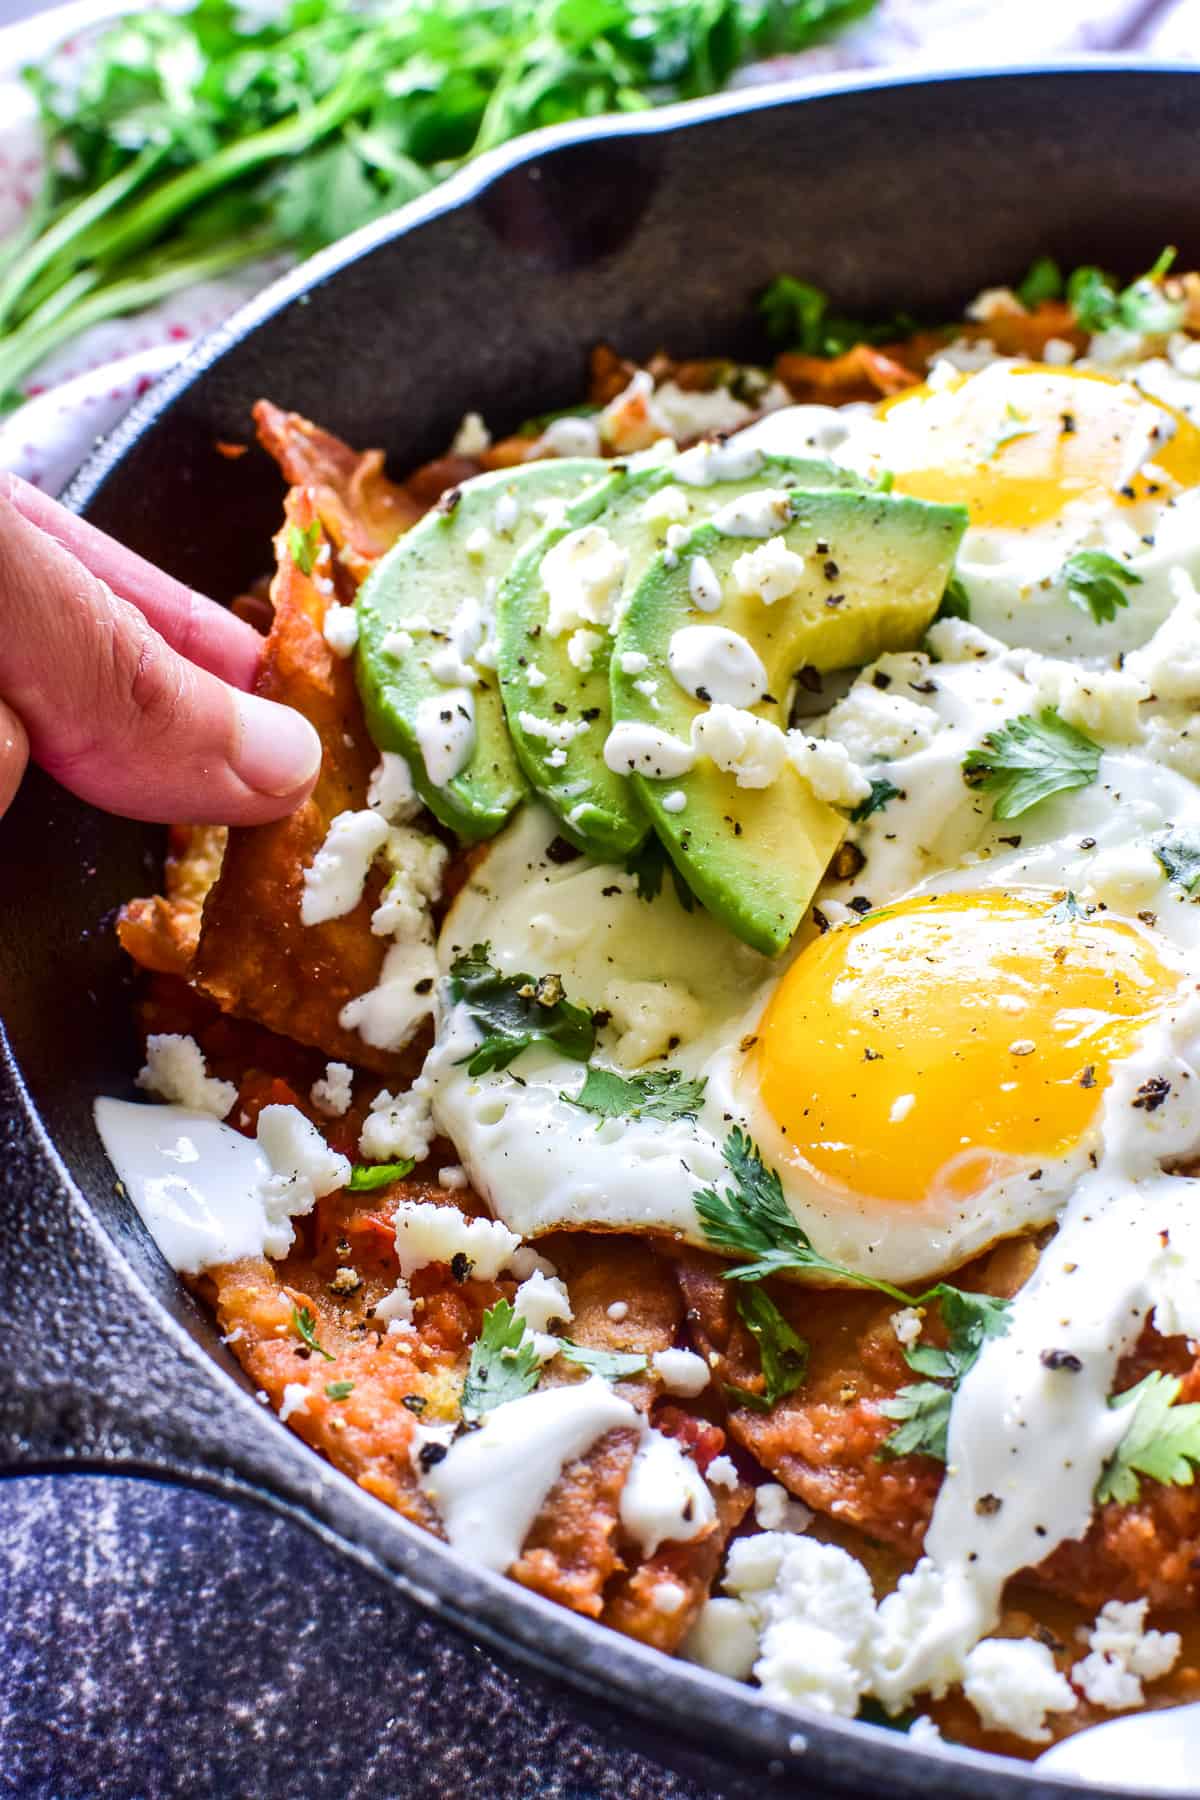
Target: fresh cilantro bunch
column 178, row 145
column 516, row 1011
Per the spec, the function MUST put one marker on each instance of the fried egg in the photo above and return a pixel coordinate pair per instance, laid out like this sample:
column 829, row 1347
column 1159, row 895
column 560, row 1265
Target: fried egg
column 1048, row 461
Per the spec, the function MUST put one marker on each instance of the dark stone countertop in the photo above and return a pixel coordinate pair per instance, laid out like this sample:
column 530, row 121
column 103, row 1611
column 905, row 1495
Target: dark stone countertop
column 155, row 1642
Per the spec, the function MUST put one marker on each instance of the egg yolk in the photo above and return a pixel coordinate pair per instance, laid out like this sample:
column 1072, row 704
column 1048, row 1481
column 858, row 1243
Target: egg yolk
column 945, row 1041
column 1016, row 450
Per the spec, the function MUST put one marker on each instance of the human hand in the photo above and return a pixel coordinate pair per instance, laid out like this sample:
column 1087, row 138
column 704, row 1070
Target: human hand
column 129, row 688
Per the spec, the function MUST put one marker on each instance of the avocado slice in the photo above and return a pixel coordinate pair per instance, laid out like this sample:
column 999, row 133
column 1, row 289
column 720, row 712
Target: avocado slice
column 446, row 570
column 555, row 686
column 875, row 567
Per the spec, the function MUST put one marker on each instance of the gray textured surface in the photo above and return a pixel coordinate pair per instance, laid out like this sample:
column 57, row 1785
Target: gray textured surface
column 155, row 1642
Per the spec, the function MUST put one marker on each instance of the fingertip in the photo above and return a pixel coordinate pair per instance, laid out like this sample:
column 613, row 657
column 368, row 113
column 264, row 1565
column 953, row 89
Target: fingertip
column 276, row 751
column 14, row 755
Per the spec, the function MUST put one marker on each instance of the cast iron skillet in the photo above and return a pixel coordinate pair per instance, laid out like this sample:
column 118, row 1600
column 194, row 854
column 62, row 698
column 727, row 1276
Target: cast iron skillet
column 654, row 231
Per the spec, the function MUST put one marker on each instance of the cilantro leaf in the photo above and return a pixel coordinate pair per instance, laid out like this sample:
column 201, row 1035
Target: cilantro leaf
column 752, row 1219
column 1179, row 854
column 1016, row 425
column 1027, row 760
column 1142, row 306
column 504, row 1364
column 648, row 864
column 797, row 316
column 922, row 1410
column 1069, row 908
column 659, row 1094
column 339, row 1390
column 303, row 543
column 882, row 791
column 613, row 1365
column 516, row 1011
column 1162, row 1442
column 955, row 604
column 1094, row 580
column 305, row 1327
column 782, row 1352
column 366, row 1177
column 1042, row 282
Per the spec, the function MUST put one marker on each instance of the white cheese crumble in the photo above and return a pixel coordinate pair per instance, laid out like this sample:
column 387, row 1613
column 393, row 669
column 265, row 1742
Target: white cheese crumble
column 398, row 1126
column 303, row 1168
column 880, row 727
column 669, row 506
column 582, row 646
column 724, row 1639
column 428, row 1233
column 295, row 1400
column 714, row 664
column 704, row 585
column 1123, row 1655
column 633, row 748
column 542, row 1301
column 418, row 863
column 446, row 733
column 396, row 1308
column 751, row 749
column 453, row 1178
column 571, row 437
column 775, row 1509
column 770, row 573
column 507, row 513
column 674, row 802
column 907, row 1325
column 340, row 629
column 722, row 1473
column 175, row 1070
column 332, row 1093
column 334, row 880
column 582, row 577
column 390, row 790
column 632, row 421
column 706, row 464
column 472, row 437
column 1012, row 1683
column 828, row 770
column 754, row 515
column 559, row 732
column 665, row 1497
column 633, row 662
column 681, row 1372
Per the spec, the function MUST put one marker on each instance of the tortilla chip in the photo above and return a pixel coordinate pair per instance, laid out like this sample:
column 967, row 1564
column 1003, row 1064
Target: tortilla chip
column 362, row 511
column 658, row 1601
column 161, row 932
column 255, row 958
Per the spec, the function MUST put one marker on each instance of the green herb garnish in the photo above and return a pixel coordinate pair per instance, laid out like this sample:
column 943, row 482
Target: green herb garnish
column 339, row 1390
column 1043, row 282
column 1094, row 579
column 1143, row 306
column 1179, row 854
column 303, row 543
column 1068, row 909
column 515, row 1011
column 613, row 1365
column 1027, row 760
column 660, row 1094
column 647, row 866
column 923, row 1408
column 176, row 145
column 504, row 1364
column 882, row 791
column 366, row 1177
column 782, row 1352
column 1162, row 1442
column 1016, row 425
column 955, row 604
column 797, row 317
column 305, row 1327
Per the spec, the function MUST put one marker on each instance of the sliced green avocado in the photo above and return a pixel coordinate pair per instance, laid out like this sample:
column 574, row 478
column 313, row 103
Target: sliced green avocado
column 559, row 712
column 875, row 568
column 450, row 562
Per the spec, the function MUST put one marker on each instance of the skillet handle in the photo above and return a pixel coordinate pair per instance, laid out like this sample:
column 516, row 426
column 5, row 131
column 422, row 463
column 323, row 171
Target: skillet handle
column 95, row 1373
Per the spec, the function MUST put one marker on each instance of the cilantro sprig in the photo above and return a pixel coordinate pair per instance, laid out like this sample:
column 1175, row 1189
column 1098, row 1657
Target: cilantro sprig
column 1162, row 1442
column 648, row 864
column 1029, row 759
column 612, row 1365
column 882, row 793
column 922, row 1410
column 798, row 316
column 305, row 1327
column 782, row 1352
column 1144, row 305
column 658, row 1094
column 504, row 1364
column 516, row 1011
column 303, row 542
column 1094, row 583
column 366, row 1177
column 752, row 1219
